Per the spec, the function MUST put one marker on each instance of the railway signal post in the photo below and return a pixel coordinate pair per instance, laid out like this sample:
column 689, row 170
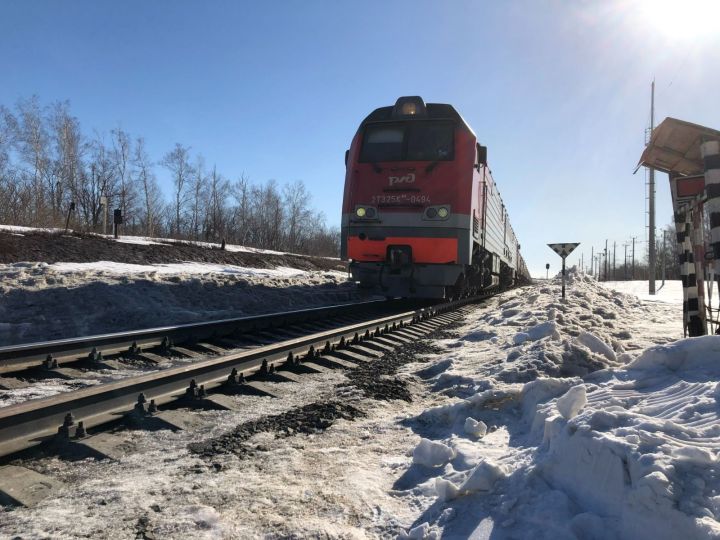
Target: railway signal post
column 564, row 250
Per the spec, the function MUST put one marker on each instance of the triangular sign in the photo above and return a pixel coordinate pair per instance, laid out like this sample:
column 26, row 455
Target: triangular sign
column 564, row 249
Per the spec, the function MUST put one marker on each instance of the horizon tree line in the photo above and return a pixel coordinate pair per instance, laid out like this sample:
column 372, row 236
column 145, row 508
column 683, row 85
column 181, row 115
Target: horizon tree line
column 47, row 163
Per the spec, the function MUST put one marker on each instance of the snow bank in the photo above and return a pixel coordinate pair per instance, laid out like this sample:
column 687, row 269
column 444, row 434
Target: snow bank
column 563, row 427
column 53, row 301
column 700, row 354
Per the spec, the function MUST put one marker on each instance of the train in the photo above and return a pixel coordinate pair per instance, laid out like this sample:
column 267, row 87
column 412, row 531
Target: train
column 422, row 216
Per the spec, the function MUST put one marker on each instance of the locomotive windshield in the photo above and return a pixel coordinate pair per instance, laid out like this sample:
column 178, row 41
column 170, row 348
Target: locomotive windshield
column 408, row 141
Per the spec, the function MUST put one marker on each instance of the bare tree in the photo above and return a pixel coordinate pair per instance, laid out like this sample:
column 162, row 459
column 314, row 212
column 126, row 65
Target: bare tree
column 296, row 203
column 151, row 196
column 8, row 137
column 216, row 215
column 239, row 225
column 267, row 215
column 198, row 195
column 33, row 145
column 177, row 161
column 67, row 162
column 95, row 182
column 127, row 193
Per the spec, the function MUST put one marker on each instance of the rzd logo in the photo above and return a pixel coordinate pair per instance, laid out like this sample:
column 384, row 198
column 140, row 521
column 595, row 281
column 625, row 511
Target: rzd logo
column 407, row 179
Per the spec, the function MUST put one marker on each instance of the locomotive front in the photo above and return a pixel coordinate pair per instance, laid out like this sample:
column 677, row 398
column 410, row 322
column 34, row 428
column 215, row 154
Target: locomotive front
column 407, row 207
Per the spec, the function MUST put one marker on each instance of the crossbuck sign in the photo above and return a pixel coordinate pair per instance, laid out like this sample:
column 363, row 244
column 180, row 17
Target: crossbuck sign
column 564, row 250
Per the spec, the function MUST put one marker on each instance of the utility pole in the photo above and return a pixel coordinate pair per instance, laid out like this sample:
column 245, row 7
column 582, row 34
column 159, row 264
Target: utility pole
column 632, row 275
column 614, row 266
column 606, row 260
column 592, row 260
column 625, row 275
column 582, row 261
column 651, row 202
column 663, row 258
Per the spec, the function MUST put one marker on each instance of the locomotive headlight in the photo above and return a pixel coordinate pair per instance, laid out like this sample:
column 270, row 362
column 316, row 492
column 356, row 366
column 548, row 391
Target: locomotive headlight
column 360, row 211
column 409, row 108
column 442, row 212
column 370, row 212
column 431, row 212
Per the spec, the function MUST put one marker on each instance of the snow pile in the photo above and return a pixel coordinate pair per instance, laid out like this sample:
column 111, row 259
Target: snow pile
column 559, row 427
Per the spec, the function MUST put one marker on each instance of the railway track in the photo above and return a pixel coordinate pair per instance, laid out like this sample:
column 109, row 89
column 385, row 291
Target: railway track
column 78, row 420
column 59, row 357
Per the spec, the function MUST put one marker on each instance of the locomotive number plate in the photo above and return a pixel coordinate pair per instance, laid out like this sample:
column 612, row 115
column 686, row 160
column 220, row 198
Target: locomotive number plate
column 401, row 199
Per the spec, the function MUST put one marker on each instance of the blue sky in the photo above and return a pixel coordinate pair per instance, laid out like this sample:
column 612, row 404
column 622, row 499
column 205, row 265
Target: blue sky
column 558, row 91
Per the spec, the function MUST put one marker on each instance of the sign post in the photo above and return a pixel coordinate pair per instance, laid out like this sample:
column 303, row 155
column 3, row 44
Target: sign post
column 563, row 250
column 117, row 220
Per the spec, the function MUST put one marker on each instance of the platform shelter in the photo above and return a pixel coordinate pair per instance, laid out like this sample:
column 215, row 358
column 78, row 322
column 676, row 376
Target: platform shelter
column 690, row 154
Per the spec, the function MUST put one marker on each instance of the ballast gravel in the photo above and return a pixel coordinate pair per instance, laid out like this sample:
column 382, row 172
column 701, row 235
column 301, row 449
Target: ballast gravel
column 375, row 379
column 312, row 418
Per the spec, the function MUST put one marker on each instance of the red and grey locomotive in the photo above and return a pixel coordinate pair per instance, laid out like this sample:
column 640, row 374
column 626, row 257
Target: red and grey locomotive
column 422, row 216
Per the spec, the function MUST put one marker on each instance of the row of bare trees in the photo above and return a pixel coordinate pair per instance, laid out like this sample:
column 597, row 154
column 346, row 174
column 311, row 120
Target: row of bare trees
column 47, row 163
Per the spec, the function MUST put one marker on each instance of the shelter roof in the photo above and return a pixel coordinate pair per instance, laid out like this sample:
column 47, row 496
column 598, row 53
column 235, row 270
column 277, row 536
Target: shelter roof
column 675, row 147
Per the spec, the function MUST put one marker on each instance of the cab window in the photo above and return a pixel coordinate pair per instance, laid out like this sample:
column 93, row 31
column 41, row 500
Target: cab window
column 408, row 141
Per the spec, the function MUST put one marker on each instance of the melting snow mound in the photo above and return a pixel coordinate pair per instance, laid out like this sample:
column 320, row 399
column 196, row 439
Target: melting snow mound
column 596, row 442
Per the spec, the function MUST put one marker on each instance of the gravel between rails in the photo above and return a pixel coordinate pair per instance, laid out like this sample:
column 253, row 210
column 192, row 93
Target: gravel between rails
column 374, row 380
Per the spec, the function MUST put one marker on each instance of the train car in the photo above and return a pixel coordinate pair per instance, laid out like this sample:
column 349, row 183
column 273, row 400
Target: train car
column 422, row 216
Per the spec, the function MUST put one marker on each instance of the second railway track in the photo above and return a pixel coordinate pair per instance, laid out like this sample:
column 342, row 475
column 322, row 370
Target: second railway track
column 191, row 340
column 74, row 416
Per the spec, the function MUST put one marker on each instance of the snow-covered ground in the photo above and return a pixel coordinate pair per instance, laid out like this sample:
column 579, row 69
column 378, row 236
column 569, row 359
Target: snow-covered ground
column 51, row 301
column 627, row 451
column 134, row 290
column 671, row 292
column 144, row 240
column 582, row 419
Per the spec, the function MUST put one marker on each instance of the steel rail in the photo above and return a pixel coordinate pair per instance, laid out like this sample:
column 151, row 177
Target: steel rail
column 30, row 423
column 18, row 357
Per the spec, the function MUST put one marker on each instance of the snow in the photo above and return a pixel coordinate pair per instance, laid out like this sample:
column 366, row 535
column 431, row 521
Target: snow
column 476, row 428
column 19, row 229
column 572, row 402
column 613, row 444
column 193, row 268
column 43, row 301
column 600, row 422
column 432, row 454
column 145, row 240
column 671, row 292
